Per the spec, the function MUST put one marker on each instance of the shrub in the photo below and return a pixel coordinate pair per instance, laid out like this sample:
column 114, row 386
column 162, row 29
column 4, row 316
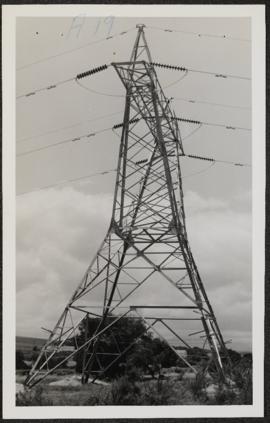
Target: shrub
column 97, row 400
column 20, row 364
column 124, row 392
column 238, row 387
column 225, row 396
column 32, row 398
column 158, row 393
column 242, row 376
column 198, row 385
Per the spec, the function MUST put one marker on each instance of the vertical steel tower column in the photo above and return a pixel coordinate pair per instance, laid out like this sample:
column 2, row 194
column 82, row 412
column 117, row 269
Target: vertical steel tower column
column 146, row 241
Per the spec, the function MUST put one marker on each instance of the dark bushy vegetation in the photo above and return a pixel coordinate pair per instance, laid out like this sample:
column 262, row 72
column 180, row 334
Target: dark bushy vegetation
column 34, row 397
column 138, row 377
column 130, row 390
column 235, row 391
column 20, row 364
column 196, row 355
column 148, row 354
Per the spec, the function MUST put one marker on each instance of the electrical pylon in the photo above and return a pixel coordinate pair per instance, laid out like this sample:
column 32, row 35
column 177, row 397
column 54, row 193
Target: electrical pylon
column 146, row 241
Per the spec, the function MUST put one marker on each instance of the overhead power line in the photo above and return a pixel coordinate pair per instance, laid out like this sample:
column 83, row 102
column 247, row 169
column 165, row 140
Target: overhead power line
column 69, row 140
column 54, row 56
column 57, row 84
column 104, row 67
column 54, row 131
column 109, row 171
column 178, row 80
column 184, row 69
column 47, row 88
column 67, row 181
column 208, row 159
column 45, row 59
column 95, row 91
column 201, row 34
column 119, row 125
column 188, row 100
column 221, row 125
column 74, row 139
column 229, row 106
column 211, row 159
column 102, row 173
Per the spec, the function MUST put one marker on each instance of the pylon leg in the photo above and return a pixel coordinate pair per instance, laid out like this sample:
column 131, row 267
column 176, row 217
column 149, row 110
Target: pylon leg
column 146, row 241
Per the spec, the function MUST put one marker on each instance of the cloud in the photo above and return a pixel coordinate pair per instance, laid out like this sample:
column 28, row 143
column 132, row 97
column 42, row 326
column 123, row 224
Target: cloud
column 60, row 230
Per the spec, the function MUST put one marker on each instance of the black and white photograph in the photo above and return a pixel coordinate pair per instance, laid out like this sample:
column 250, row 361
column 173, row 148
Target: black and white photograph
column 138, row 212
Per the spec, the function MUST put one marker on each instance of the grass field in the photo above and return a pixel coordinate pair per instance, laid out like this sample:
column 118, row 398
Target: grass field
column 92, row 394
column 175, row 391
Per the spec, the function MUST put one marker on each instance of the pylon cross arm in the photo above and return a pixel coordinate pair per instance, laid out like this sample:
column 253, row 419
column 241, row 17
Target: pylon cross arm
column 146, row 243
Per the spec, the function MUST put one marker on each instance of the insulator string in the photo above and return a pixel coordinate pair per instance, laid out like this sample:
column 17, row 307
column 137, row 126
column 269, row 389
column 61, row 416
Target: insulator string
column 57, row 84
column 184, row 69
column 104, row 67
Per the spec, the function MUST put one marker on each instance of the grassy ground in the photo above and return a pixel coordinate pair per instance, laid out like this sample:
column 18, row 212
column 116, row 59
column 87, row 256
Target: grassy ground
column 46, row 394
column 128, row 391
column 76, row 395
column 93, row 394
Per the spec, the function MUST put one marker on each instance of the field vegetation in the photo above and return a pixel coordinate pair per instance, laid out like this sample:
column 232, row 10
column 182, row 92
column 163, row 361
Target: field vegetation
column 150, row 373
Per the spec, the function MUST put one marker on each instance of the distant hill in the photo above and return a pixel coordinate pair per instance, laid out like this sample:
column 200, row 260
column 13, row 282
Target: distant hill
column 26, row 344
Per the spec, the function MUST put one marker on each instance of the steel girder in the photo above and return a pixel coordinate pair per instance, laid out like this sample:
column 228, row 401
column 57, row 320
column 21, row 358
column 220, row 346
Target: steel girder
column 146, row 241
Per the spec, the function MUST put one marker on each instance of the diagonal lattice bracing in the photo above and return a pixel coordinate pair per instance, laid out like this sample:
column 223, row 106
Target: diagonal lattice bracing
column 146, row 244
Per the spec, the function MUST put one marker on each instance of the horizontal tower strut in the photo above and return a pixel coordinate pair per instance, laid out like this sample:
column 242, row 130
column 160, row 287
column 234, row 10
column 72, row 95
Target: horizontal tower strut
column 146, row 243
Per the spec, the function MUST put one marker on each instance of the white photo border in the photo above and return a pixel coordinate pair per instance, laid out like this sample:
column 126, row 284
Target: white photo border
column 9, row 15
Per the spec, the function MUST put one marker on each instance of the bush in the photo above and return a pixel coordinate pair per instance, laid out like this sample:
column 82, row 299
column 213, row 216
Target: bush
column 158, row 393
column 238, row 387
column 20, row 364
column 242, row 376
column 225, row 396
column 32, row 398
column 124, row 392
column 148, row 353
column 198, row 385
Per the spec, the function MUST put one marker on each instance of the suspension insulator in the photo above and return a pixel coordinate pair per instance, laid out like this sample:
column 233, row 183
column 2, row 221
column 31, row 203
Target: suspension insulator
column 119, row 125
column 91, row 71
column 196, row 122
column 141, row 161
column 209, row 159
column 220, row 75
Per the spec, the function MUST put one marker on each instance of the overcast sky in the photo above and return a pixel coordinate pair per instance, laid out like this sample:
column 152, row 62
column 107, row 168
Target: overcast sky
column 59, row 229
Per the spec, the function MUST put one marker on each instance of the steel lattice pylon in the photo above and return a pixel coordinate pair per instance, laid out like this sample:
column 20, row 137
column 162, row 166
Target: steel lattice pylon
column 146, row 240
